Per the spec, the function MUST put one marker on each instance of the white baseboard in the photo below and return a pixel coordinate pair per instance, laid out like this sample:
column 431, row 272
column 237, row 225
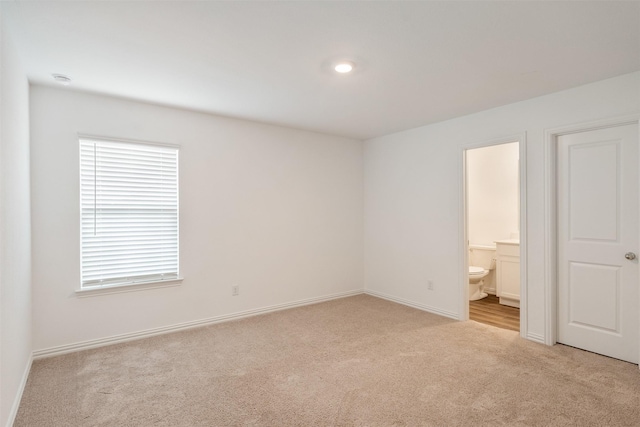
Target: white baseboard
column 419, row 306
column 116, row 339
column 535, row 338
column 18, row 398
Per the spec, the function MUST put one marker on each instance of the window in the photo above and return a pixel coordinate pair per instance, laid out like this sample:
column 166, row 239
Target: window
column 129, row 213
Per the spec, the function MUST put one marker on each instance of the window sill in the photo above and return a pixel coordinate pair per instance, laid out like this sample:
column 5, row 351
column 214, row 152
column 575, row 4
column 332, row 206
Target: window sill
column 131, row 287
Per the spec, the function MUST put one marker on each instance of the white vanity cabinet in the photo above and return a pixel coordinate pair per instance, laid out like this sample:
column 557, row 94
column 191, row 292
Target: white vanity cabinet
column 508, row 272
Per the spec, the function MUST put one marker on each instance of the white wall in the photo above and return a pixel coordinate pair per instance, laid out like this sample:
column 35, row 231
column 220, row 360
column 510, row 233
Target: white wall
column 413, row 190
column 276, row 211
column 15, row 234
column 493, row 193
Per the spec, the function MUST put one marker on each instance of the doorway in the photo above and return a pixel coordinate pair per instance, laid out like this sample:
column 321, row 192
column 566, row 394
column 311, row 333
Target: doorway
column 493, row 200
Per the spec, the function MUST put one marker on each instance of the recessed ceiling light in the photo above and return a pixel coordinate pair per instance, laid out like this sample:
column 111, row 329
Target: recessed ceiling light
column 344, row 67
column 62, row 79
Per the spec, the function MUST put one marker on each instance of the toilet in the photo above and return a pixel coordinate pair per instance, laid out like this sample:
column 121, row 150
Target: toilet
column 476, row 281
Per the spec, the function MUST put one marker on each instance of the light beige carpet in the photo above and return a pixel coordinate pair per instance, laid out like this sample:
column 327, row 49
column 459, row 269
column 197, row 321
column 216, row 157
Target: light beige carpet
column 358, row 361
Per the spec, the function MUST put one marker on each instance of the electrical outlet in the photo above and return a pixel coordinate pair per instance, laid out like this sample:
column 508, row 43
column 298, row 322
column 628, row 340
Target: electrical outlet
column 430, row 285
column 235, row 290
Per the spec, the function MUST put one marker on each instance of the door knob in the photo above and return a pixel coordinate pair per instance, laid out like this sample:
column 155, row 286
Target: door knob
column 630, row 256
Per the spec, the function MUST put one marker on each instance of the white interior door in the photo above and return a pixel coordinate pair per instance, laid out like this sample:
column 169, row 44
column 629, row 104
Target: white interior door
column 597, row 226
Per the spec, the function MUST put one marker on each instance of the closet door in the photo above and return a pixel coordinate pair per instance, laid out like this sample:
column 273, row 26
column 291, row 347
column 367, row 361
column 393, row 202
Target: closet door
column 598, row 240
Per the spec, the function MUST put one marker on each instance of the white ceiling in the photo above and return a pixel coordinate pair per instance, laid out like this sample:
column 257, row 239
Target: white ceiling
column 417, row 62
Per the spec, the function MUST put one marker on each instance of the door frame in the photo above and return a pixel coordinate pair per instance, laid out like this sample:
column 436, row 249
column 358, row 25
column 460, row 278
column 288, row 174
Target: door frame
column 551, row 210
column 521, row 138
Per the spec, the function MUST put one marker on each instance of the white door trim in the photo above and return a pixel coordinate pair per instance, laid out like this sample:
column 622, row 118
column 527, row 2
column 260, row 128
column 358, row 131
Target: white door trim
column 550, row 210
column 464, row 233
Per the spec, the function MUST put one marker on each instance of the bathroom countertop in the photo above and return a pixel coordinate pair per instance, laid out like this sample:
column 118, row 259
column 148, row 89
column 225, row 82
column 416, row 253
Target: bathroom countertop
column 508, row 241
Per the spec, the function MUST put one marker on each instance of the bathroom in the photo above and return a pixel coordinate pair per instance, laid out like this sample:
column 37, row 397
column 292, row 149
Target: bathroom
column 493, row 219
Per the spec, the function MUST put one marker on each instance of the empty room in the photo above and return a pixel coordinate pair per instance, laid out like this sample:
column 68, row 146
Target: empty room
column 319, row 213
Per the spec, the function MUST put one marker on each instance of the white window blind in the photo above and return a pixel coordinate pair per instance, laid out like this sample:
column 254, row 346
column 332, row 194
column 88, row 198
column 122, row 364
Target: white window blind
column 129, row 213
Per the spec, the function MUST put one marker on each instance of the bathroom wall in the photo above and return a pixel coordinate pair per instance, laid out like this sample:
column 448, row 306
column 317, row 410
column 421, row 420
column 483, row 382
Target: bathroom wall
column 492, row 190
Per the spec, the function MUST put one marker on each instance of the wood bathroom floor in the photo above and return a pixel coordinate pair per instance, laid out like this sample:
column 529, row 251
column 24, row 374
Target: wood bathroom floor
column 489, row 311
